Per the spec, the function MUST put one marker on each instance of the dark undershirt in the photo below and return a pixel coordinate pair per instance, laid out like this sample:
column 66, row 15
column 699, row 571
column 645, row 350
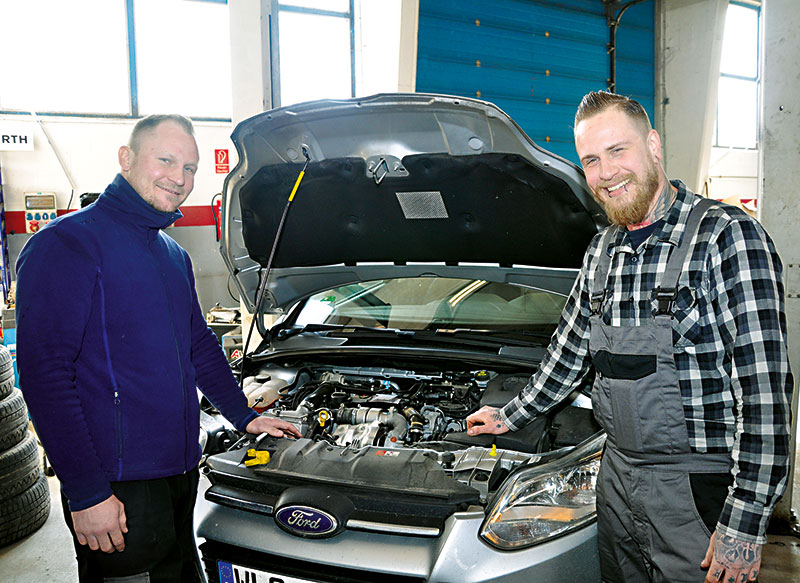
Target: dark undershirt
column 638, row 236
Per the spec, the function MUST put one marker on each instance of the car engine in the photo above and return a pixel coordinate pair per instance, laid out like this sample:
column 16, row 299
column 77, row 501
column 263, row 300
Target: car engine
column 356, row 407
column 415, row 415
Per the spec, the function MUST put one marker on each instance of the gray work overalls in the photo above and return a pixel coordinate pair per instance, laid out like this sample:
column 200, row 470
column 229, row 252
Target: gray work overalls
column 649, row 528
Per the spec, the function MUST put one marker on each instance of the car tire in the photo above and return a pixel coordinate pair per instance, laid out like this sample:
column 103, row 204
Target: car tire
column 24, row 513
column 19, row 467
column 13, row 419
column 6, row 372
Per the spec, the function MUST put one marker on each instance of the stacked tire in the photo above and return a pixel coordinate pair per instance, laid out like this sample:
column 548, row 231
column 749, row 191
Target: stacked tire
column 24, row 493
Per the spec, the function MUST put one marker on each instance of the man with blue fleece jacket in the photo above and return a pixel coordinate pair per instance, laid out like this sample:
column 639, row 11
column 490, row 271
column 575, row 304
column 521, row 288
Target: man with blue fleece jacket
column 111, row 347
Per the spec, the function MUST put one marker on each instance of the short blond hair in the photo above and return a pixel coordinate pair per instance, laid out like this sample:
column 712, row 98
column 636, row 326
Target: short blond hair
column 151, row 122
column 599, row 101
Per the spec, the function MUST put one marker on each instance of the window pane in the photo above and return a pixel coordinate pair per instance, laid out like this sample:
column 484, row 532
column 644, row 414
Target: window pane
column 737, row 119
column 328, row 5
column 379, row 62
column 309, row 71
column 55, row 57
column 183, row 57
column 740, row 42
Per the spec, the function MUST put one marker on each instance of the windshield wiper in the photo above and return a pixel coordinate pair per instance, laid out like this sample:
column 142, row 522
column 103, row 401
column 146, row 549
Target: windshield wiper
column 285, row 333
column 482, row 332
column 506, row 337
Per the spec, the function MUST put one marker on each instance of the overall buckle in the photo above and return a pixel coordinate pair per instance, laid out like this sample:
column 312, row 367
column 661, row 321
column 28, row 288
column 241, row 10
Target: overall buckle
column 597, row 301
column 666, row 300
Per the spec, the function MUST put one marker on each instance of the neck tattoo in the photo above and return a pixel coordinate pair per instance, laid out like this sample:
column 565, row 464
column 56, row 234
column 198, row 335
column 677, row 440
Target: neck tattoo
column 661, row 205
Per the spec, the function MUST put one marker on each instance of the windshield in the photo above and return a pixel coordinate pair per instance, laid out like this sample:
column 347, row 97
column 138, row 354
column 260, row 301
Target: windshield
column 429, row 303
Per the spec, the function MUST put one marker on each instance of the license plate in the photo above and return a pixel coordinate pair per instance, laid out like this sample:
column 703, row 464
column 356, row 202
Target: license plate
column 229, row 573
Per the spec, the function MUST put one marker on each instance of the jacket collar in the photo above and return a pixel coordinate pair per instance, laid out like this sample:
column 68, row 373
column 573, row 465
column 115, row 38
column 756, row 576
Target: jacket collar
column 120, row 198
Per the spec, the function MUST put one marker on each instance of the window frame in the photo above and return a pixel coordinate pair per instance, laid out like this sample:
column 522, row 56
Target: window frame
column 756, row 7
column 133, row 83
column 275, row 57
column 133, row 87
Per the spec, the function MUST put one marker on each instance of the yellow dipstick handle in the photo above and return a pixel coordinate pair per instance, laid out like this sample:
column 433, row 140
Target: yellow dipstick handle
column 296, row 184
column 322, row 418
column 493, row 453
column 260, row 458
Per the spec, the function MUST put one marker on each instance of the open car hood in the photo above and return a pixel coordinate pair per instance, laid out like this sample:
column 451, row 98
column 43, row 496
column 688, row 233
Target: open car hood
column 398, row 185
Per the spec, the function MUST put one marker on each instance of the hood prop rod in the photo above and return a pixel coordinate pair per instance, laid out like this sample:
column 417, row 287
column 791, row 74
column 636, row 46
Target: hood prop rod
column 262, row 287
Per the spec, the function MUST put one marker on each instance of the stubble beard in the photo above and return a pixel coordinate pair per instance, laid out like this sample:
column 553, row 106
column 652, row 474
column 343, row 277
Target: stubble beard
column 636, row 210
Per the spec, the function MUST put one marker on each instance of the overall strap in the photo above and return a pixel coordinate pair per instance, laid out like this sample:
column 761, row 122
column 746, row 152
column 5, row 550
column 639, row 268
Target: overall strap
column 601, row 273
column 667, row 293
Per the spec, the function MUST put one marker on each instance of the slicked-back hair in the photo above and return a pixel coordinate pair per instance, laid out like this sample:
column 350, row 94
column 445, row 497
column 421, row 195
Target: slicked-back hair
column 600, row 101
column 151, row 122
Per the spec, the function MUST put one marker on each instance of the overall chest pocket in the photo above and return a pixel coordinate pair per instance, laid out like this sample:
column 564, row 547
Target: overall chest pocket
column 636, row 394
column 624, row 366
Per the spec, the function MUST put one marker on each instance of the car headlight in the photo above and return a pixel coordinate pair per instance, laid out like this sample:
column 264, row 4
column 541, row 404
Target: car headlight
column 546, row 501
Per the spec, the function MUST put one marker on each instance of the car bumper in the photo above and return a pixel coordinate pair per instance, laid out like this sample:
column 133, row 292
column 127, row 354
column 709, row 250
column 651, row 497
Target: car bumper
column 254, row 541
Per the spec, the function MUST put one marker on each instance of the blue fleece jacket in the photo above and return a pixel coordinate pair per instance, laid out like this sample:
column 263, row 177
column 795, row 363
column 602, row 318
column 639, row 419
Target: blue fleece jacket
column 112, row 345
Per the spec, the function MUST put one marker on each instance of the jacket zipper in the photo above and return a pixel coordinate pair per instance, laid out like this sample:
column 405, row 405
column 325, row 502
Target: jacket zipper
column 177, row 353
column 118, row 410
column 111, row 376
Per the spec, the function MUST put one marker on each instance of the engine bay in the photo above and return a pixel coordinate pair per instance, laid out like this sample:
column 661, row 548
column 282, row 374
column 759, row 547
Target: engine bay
column 350, row 416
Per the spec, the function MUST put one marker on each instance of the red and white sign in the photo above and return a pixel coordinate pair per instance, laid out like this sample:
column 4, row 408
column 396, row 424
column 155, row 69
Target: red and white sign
column 222, row 161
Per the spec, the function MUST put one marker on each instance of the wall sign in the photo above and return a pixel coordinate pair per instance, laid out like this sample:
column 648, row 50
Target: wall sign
column 16, row 137
column 222, row 163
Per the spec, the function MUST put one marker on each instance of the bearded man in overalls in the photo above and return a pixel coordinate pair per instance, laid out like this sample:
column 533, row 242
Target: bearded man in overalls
column 679, row 310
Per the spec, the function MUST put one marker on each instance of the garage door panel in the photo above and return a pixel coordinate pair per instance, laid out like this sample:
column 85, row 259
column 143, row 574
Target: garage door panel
column 534, row 59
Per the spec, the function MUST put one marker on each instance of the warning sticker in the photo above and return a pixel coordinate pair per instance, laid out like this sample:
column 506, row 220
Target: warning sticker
column 387, row 452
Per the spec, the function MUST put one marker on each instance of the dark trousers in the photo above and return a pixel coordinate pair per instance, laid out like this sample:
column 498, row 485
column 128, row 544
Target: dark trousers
column 159, row 545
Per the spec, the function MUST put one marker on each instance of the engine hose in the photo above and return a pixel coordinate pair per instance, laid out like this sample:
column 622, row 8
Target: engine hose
column 398, row 426
column 416, row 424
column 318, row 397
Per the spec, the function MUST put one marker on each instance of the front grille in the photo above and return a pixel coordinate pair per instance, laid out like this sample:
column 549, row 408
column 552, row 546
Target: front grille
column 211, row 552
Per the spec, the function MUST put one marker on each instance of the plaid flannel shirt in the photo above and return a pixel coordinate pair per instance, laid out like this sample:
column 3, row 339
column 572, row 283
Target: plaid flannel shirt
column 729, row 336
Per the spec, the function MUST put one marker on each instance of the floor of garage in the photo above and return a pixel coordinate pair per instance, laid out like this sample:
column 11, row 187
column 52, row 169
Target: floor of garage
column 48, row 555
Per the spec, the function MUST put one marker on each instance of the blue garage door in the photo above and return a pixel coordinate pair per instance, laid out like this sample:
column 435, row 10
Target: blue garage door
column 534, row 59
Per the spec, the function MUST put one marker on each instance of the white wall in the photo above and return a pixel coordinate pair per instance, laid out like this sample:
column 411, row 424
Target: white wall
column 89, row 148
column 690, row 45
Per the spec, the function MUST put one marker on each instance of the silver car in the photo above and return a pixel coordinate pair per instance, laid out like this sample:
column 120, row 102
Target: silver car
column 415, row 253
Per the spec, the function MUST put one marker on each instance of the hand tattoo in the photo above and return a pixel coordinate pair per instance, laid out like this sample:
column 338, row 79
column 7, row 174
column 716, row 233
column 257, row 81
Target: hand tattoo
column 496, row 417
column 736, row 555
